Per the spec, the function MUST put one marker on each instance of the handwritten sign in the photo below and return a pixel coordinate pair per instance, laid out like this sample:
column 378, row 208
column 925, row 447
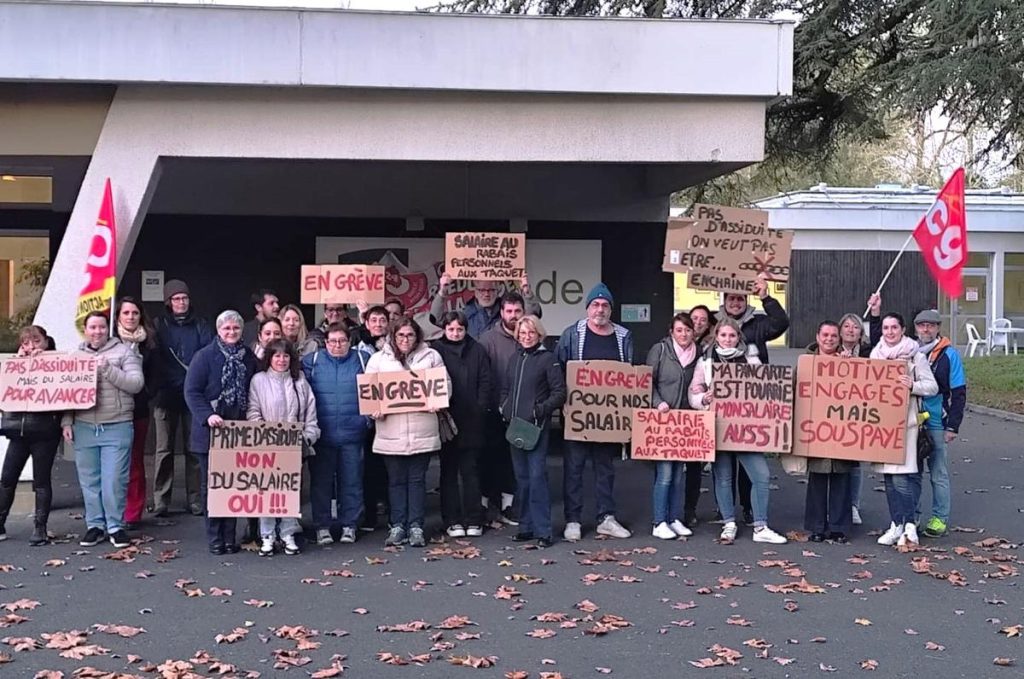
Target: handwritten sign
column 341, row 284
column 409, row 391
column 678, row 255
column 48, row 382
column 485, row 256
column 602, row 396
column 255, row 469
column 673, row 435
column 729, row 247
column 850, row 409
column 753, row 407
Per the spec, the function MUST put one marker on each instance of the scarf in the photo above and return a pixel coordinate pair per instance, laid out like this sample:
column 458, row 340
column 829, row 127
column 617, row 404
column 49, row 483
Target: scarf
column 747, row 314
column 904, row 349
column 234, row 398
column 729, row 354
column 686, row 355
column 137, row 336
column 934, row 348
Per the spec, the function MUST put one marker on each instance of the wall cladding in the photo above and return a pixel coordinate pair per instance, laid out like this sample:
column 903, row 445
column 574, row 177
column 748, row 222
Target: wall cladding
column 826, row 284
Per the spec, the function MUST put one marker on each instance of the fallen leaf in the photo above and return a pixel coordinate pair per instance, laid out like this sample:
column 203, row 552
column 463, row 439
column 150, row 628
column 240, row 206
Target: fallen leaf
column 21, row 605
column 826, row 668
column 1004, row 662
column 517, row 674
column 1012, row 631
column 863, row 621
column 360, row 611
column 236, row 634
column 21, row 643
column 455, row 622
column 541, row 633
column 932, row 646
column 79, row 652
column 258, row 603
column 473, row 661
column 217, row 591
column 588, row 606
column 64, row 640
column 869, row 664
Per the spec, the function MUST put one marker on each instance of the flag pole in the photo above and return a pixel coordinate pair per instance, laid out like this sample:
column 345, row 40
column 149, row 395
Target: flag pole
column 891, row 267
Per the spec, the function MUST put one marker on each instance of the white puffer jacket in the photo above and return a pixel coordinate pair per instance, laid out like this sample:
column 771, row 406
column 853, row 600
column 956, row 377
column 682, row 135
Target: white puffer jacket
column 406, row 433
column 116, row 385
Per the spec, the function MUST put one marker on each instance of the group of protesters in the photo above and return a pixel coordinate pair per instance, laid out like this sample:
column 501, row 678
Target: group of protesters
column 505, row 383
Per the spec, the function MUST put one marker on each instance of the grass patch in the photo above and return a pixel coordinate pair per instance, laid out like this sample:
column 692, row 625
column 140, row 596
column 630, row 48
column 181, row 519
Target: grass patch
column 996, row 382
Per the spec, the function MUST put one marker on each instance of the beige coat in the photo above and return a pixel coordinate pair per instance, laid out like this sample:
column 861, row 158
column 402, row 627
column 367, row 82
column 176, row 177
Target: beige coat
column 117, row 382
column 276, row 397
column 406, row 433
column 924, row 385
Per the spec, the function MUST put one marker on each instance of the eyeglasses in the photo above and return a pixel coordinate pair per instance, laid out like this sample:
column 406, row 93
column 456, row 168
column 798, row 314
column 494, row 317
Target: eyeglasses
column 179, row 298
column 405, row 335
column 338, row 342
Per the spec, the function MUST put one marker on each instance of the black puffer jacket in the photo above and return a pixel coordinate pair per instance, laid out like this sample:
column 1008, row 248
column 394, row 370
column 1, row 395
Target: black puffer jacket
column 534, row 386
column 760, row 329
column 470, row 372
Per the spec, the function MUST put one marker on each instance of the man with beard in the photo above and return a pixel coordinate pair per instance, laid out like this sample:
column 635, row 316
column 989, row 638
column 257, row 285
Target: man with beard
column 266, row 305
column 482, row 312
column 497, row 482
column 758, row 328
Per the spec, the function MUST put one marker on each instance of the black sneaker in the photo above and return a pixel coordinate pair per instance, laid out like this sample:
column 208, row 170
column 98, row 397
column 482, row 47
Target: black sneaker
column 748, row 517
column 92, row 537
column 119, row 539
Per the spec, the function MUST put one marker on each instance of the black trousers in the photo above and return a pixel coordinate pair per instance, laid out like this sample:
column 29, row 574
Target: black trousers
column 828, row 506
column 495, row 463
column 375, row 482
column 42, row 451
column 691, row 486
column 463, row 507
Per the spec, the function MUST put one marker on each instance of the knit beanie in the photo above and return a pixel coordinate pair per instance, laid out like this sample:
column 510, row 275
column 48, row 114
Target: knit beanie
column 600, row 291
column 174, row 287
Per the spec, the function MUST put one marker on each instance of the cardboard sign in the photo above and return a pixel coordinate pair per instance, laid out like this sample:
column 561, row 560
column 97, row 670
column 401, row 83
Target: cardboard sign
column 678, row 256
column 673, row 435
column 48, row 382
column 730, row 247
column 602, row 396
column 753, row 407
column 408, row 391
column 850, row 409
column 341, row 284
column 255, row 469
column 485, row 256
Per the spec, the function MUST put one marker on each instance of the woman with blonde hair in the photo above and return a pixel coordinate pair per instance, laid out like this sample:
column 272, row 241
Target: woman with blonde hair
column 293, row 329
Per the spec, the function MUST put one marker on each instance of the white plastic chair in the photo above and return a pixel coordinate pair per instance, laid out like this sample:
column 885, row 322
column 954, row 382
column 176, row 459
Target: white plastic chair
column 1000, row 339
column 974, row 342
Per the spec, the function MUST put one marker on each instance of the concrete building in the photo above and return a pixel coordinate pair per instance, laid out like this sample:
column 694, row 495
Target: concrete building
column 244, row 142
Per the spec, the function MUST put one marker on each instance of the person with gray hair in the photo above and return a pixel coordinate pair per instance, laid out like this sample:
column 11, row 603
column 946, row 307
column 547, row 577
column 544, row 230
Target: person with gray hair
column 217, row 390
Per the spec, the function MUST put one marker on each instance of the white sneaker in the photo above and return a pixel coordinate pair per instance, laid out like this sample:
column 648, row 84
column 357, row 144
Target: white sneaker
column 474, row 531
column 267, row 547
column 680, row 529
column 856, row 517
column 766, row 534
column 572, row 532
column 456, row 531
column 323, row 537
column 290, row 548
column 910, row 533
column 728, row 532
column 613, row 528
column 663, row 532
column 348, row 535
column 891, row 536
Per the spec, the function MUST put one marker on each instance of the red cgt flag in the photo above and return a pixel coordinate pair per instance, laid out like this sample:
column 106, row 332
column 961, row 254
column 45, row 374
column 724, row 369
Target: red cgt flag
column 100, row 264
column 942, row 236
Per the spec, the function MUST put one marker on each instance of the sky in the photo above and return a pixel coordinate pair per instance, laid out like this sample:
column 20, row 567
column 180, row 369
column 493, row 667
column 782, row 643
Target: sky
column 391, row 5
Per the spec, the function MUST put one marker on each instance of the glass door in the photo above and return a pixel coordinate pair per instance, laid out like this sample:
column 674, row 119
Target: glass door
column 972, row 307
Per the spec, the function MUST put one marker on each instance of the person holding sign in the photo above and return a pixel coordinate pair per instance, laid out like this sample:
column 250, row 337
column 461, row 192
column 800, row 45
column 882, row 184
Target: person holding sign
column 828, row 510
column 470, row 373
column 481, row 312
column 406, row 439
column 31, row 435
column 534, row 388
column 102, row 435
column 758, row 329
column 593, row 338
column 217, row 389
column 903, row 481
column 279, row 392
column 728, row 347
column 673, row 361
column 373, row 335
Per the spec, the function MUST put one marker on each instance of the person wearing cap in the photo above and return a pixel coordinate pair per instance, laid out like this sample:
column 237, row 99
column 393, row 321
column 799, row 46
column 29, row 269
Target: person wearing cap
column 945, row 412
column 758, row 328
column 594, row 338
column 482, row 312
column 180, row 334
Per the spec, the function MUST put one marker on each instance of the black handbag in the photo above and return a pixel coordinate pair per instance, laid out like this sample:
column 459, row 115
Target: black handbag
column 522, row 434
column 27, row 424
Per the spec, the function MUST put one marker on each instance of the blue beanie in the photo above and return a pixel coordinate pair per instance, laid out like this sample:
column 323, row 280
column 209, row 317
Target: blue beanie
column 600, row 291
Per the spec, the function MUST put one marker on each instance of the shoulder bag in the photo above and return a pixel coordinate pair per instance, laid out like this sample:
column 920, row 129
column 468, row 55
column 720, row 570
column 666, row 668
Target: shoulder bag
column 522, row 434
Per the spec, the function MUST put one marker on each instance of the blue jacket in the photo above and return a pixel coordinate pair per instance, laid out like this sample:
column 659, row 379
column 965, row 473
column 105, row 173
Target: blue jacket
column 177, row 342
column 570, row 344
column 202, row 387
column 337, row 398
column 946, row 409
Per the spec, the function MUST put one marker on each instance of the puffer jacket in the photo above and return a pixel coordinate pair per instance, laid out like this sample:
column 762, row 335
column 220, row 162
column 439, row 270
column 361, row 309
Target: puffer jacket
column 759, row 329
column 203, row 389
column 501, row 348
column 534, row 387
column 924, row 385
column 116, row 385
column 470, row 372
column 406, row 433
column 671, row 379
column 276, row 397
column 337, row 396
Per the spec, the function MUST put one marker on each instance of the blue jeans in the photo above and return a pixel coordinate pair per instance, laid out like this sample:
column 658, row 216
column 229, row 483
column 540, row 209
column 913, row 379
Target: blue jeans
column 337, row 469
column 407, row 488
column 856, row 481
column 574, row 461
column 902, row 492
column 757, row 470
column 667, row 494
column 102, row 456
column 532, row 493
column 938, row 474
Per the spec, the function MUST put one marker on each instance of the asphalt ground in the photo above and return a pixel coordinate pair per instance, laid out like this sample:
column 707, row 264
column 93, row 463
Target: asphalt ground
column 860, row 602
